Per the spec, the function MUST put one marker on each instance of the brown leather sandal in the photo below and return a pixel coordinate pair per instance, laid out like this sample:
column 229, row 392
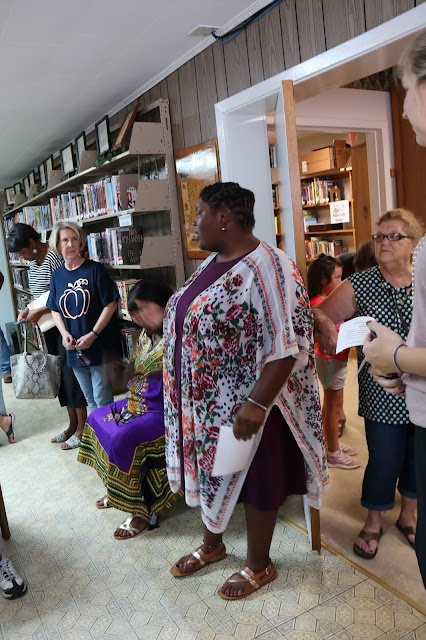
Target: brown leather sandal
column 406, row 531
column 188, row 566
column 249, row 580
column 368, row 536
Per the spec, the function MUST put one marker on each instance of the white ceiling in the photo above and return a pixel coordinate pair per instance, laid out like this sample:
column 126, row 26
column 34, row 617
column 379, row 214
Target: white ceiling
column 66, row 63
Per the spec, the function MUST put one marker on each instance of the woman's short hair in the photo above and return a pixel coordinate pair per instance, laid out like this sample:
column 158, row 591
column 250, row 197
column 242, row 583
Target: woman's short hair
column 321, row 266
column 413, row 61
column 150, row 292
column 413, row 226
column 19, row 237
column 65, row 224
column 238, row 200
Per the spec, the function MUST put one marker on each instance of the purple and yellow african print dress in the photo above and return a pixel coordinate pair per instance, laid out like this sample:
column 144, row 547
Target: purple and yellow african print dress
column 129, row 455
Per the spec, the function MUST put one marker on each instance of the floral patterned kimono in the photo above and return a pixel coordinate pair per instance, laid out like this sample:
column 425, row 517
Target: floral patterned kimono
column 257, row 312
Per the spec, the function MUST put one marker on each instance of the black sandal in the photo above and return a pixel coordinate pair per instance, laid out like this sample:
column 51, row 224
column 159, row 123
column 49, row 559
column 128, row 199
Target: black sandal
column 10, row 431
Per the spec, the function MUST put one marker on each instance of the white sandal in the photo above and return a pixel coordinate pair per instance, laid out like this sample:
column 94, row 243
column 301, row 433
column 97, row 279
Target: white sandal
column 61, row 437
column 102, row 503
column 126, row 526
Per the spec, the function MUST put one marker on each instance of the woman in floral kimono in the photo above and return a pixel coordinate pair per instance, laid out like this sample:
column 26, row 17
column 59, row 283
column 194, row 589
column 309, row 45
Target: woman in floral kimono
column 238, row 353
column 124, row 441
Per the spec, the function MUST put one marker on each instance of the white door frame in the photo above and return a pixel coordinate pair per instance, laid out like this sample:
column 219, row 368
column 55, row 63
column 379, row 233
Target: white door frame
column 368, row 53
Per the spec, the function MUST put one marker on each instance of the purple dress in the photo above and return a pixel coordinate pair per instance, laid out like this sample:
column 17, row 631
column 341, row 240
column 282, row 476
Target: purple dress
column 263, row 489
column 128, row 454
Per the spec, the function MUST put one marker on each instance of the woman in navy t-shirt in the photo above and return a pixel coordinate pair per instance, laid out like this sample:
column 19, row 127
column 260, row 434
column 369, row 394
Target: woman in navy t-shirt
column 83, row 300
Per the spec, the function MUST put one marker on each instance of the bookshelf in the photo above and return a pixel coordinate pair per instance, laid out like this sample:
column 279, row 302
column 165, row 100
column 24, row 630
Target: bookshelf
column 275, row 185
column 148, row 167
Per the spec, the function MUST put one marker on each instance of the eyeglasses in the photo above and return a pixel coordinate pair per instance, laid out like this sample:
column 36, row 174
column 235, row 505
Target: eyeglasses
column 392, row 237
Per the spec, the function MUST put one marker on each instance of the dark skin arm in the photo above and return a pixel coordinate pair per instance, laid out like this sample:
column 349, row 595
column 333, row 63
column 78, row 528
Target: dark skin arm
column 250, row 418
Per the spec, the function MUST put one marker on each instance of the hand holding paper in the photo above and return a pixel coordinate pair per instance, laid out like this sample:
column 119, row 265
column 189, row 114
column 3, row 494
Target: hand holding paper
column 232, row 455
column 352, row 333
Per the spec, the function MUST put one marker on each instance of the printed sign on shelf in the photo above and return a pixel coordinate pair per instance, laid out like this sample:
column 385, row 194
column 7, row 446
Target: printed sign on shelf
column 339, row 211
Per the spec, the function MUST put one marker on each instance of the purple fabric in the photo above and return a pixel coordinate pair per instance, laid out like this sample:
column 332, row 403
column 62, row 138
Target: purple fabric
column 278, row 468
column 120, row 440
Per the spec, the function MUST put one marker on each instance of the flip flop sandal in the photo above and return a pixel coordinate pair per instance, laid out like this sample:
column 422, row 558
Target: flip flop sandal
column 61, row 437
column 202, row 559
column 126, row 526
column 247, row 578
column 10, row 431
column 367, row 536
column 102, row 503
column 406, row 531
column 73, row 443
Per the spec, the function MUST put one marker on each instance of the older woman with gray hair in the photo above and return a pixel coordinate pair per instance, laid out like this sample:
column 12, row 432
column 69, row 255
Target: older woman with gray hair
column 83, row 300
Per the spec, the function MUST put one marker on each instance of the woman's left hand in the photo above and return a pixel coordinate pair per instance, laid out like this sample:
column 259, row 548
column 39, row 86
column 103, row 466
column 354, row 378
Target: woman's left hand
column 379, row 351
column 248, row 421
column 86, row 341
column 389, row 384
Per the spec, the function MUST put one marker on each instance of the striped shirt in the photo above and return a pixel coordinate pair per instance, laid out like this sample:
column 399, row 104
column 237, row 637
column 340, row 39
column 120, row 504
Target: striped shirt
column 39, row 274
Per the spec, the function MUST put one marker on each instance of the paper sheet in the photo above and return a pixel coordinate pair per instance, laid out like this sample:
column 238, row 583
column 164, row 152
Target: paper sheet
column 232, row 455
column 352, row 333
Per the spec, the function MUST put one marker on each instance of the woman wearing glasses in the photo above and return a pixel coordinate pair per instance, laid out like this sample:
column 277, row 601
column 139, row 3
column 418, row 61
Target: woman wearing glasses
column 385, row 293
column 83, row 300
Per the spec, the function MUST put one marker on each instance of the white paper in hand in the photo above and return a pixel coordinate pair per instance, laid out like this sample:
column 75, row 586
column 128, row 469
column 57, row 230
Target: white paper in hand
column 232, row 455
column 352, row 333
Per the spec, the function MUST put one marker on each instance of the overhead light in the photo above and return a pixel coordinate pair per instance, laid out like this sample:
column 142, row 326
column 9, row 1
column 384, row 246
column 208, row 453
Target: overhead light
column 202, row 31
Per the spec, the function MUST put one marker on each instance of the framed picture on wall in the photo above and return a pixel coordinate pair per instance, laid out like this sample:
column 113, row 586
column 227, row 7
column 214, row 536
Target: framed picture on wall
column 80, row 146
column 10, row 195
column 125, row 128
column 26, row 185
column 48, row 166
column 32, row 178
column 42, row 174
column 18, row 187
column 103, row 138
column 196, row 168
column 67, row 160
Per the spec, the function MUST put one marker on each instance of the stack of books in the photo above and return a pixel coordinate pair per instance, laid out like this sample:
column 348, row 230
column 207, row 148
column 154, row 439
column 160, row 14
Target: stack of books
column 115, row 246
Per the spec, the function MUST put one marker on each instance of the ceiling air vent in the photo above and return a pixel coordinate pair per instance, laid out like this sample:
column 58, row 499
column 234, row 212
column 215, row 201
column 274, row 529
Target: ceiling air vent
column 202, row 31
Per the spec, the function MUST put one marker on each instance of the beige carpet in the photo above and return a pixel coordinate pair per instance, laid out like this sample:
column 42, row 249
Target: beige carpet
column 342, row 515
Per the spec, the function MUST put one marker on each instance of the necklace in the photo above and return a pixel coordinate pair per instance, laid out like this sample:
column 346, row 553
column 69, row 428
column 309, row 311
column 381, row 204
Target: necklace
column 417, row 250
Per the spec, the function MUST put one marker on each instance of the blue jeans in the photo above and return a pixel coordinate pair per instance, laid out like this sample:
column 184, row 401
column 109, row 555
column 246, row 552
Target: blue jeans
column 391, row 456
column 92, row 385
column 5, row 354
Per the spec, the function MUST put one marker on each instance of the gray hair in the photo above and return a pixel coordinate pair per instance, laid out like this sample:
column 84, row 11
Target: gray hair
column 413, row 61
column 65, row 224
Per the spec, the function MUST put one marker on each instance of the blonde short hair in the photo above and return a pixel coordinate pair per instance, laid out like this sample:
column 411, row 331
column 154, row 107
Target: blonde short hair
column 413, row 226
column 65, row 224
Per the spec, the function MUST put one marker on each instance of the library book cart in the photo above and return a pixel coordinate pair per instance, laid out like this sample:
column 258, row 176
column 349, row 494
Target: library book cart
column 129, row 199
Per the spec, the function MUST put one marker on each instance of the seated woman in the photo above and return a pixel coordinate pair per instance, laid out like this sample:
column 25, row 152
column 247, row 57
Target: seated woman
column 124, row 441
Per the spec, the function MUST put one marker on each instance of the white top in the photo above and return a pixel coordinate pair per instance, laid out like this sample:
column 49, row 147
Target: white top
column 415, row 385
column 39, row 274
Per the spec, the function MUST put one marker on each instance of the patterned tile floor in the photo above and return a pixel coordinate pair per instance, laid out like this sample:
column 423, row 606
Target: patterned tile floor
column 83, row 584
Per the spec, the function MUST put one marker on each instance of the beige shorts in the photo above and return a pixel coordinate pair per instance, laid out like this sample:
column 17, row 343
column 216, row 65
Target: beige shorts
column 331, row 373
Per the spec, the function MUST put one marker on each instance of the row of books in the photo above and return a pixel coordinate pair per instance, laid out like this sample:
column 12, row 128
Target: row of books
column 115, row 246
column 314, row 246
column 124, row 287
column 275, row 196
column 38, row 217
column 96, row 199
column 20, row 277
column 316, row 191
column 272, row 156
column 129, row 337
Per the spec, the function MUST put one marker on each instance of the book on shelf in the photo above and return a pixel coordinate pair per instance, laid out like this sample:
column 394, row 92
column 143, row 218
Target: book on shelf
column 124, row 287
column 272, row 156
column 316, row 191
column 20, row 277
column 315, row 246
column 309, row 220
column 275, row 196
column 115, row 246
column 129, row 340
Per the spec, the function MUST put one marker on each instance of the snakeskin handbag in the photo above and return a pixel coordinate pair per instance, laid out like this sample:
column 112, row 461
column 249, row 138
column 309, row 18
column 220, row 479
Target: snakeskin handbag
column 35, row 375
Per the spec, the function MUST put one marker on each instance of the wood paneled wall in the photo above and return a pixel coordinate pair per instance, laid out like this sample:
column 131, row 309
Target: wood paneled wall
column 292, row 32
